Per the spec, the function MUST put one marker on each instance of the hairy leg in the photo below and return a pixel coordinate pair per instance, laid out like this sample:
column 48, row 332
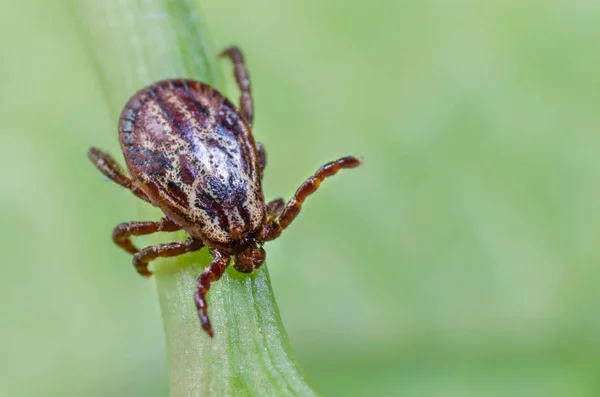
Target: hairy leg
column 109, row 167
column 243, row 81
column 123, row 232
column 142, row 258
column 293, row 207
column 212, row 273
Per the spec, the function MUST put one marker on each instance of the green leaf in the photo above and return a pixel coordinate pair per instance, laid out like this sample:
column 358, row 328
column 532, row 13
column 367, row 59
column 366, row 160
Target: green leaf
column 135, row 43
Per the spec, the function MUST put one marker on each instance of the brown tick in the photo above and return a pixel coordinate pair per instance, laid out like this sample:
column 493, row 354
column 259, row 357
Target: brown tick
column 191, row 153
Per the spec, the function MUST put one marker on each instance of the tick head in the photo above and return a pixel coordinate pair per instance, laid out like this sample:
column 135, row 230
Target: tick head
column 250, row 259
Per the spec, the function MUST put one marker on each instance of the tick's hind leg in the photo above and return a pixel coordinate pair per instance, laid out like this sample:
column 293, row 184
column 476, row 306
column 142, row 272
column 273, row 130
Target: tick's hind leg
column 142, row 258
column 212, row 273
column 243, row 81
column 293, row 207
column 109, row 167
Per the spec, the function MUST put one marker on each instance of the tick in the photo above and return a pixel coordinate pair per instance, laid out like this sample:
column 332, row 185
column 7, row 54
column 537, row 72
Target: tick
column 191, row 153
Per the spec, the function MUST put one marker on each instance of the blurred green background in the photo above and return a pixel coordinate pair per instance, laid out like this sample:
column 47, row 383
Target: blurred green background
column 461, row 260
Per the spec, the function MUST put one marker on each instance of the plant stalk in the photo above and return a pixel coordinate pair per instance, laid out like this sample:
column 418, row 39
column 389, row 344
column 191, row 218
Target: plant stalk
column 133, row 43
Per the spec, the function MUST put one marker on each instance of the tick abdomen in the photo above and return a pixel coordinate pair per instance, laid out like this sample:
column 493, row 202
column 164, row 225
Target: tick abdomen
column 188, row 149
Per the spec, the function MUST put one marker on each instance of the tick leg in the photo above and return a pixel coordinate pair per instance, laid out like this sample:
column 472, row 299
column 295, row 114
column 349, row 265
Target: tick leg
column 262, row 158
column 212, row 273
column 109, row 167
column 122, row 233
column 142, row 258
column 243, row 81
column 293, row 207
column 275, row 207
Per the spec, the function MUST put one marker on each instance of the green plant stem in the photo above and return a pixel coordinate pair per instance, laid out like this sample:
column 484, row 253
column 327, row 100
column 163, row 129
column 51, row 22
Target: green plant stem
column 132, row 44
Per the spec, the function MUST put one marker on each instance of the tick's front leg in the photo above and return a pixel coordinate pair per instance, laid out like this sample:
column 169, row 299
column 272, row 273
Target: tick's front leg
column 212, row 273
column 122, row 233
column 293, row 207
column 142, row 258
column 243, row 81
column 109, row 167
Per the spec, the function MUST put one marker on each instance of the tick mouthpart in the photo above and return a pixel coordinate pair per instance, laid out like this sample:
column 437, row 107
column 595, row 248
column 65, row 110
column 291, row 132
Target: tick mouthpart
column 249, row 260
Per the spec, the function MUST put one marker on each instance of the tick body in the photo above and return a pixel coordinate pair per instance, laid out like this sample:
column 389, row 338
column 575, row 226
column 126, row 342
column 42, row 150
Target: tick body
column 190, row 152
